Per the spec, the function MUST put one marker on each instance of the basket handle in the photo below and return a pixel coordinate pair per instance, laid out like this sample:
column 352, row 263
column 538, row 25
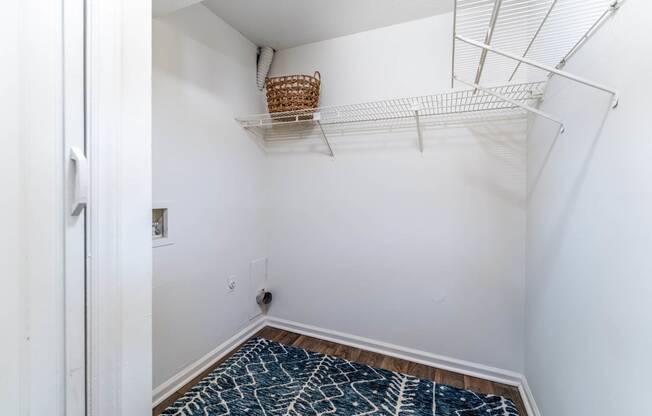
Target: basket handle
column 317, row 75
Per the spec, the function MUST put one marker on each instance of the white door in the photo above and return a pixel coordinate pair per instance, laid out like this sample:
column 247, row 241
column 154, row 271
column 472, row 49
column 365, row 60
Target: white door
column 42, row 273
column 77, row 181
column 64, row 98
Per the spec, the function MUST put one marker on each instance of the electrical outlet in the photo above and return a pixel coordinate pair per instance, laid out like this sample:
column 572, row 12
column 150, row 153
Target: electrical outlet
column 231, row 283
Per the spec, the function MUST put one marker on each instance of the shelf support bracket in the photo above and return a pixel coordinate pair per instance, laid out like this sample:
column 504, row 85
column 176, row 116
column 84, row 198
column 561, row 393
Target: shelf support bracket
column 453, row 48
column 416, row 109
column 534, row 38
column 547, row 68
column 317, row 118
column 613, row 7
column 487, row 39
column 526, row 107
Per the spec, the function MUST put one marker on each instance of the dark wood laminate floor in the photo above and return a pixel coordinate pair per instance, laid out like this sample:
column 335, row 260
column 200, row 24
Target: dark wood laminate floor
column 370, row 358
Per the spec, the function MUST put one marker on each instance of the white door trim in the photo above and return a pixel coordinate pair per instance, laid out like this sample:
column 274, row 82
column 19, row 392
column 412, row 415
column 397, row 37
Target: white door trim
column 118, row 134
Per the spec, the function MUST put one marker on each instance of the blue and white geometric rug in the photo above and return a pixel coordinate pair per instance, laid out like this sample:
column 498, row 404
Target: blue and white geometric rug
column 265, row 378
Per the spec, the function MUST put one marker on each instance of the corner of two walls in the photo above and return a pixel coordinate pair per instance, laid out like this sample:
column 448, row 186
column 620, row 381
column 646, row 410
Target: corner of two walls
column 422, row 251
column 211, row 176
column 588, row 297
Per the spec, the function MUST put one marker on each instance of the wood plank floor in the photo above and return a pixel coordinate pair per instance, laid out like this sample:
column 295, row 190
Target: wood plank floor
column 370, row 358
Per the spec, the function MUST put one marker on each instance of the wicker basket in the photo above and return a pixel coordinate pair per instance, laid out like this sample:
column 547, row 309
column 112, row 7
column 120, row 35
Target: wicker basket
column 293, row 93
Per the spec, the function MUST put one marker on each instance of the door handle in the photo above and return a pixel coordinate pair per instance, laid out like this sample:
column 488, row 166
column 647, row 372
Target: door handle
column 80, row 198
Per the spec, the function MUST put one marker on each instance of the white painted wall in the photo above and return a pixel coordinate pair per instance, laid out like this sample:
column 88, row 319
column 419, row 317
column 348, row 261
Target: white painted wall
column 206, row 166
column 426, row 252
column 409, row 59
column 589, row 292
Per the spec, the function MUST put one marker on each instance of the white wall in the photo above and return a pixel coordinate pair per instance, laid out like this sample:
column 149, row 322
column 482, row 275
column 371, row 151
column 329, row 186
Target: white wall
column 409, row 59
column 424, row 251
column 589, row 292
column 212, row 173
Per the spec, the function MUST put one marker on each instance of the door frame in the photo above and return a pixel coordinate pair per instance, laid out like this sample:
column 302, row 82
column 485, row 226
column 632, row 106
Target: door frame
column 119, row 270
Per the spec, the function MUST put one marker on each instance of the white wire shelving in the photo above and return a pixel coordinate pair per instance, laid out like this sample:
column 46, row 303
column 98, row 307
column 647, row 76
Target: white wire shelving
column 502, row 41
column 517, row 44
column 415, row 114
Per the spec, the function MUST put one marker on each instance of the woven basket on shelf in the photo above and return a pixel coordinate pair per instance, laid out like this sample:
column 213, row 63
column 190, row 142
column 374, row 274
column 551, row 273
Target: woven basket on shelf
column 293, row 93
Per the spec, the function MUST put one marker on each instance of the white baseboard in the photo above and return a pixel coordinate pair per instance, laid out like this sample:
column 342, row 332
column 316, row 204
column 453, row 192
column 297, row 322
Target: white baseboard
column 422, row 357
column 528, row 398
column 184, row 376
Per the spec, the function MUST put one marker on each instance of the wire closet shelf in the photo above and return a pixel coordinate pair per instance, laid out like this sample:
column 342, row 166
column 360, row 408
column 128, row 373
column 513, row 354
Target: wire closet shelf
column 516, row 44
column 503, row 41
column 414, row 112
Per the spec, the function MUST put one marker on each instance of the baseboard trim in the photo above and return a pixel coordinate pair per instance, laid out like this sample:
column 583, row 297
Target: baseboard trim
column 409, row 354
column 528, row 398
column 184, row 376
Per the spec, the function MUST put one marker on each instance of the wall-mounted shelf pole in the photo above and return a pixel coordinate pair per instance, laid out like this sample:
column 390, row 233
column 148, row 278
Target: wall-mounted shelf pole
column 534, row 37
column 615, row 5
column 550, row 69
column 323, row 134
column 516, row 103
column 416, row 109
column 454, row 33
column 487, row 39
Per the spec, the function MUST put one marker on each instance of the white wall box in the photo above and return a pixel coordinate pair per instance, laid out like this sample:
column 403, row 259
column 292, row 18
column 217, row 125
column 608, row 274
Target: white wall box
column 162, row 214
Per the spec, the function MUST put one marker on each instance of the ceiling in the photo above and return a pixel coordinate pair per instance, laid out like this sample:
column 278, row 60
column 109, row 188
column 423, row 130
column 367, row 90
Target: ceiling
column 163, row 7
column 287, row 23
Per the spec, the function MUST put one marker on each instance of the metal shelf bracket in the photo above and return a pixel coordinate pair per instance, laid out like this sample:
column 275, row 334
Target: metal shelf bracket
column 416, row 108
column 534, row 38
column 613, row 8
column 317, row 117
column 487, row 40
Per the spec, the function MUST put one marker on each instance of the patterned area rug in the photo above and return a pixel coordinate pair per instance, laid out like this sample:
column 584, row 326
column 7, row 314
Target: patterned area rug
column 265, row 378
